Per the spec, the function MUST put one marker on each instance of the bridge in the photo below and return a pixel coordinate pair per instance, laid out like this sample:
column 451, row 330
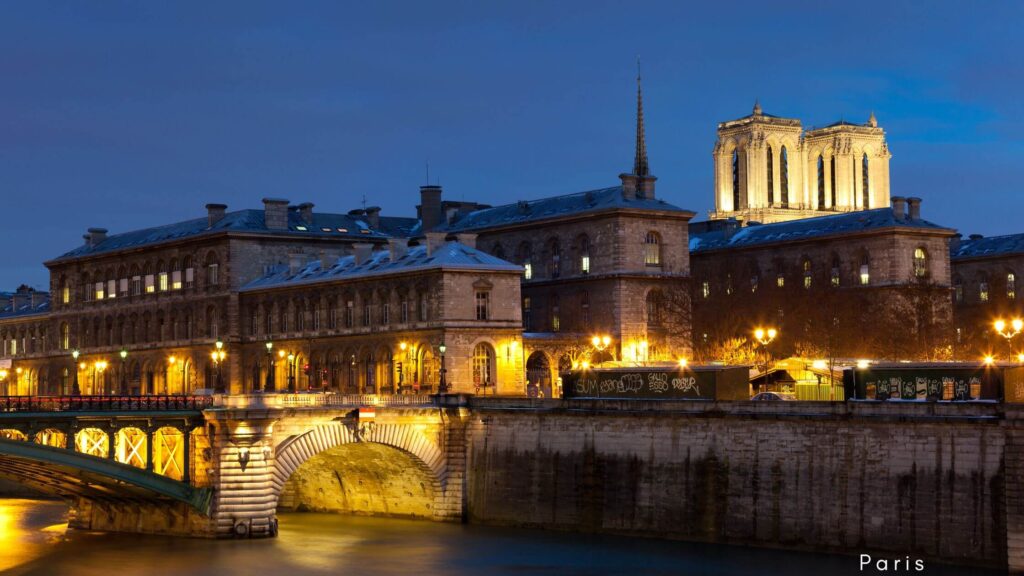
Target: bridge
column 222, row 466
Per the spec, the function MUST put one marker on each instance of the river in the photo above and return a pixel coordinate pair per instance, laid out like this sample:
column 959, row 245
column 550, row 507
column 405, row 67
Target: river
column 34, row 541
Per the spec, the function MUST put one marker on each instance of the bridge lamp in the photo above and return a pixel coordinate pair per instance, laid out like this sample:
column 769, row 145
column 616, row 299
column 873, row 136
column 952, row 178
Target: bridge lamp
column 291, row 357
column 171, row 360
column 74, row 354
column 585, row 364
column 683, row 362
column 989, row 360
column 17, row 370
column 219, row 344
column 3, row 374
column 81, row 366
column 402, row 346
column 281, row 353
column 863, row 364
column 124, row 354
column 270, row 346
column 1020, row 358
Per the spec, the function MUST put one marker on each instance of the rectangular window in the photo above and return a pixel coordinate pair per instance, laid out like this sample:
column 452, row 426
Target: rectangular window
column 423, row 307
column 99, row 290
column 190, row 277
column 366, row 314
column 150, row 284
column 983, row 291
column 585, row 265
column 780, row 281
column 300, row 320
column 405, row 311
column 483, row 305
column 122, row 289
column 254, row 323
column 528, row 271
column 807, row 281
column 136, row 285
column 527, row 314
column 65, row 294
column 705, row 289
column 835, row 277
column 332, row 320
column 163, row 282
column 316, row 318
column 385, row 313
column 213, row 274
column 111, row 288
column 176, row 280
column 958, row 293
column 14, row 347
column 865, row 275
column 349, row 309
column 1011, row 286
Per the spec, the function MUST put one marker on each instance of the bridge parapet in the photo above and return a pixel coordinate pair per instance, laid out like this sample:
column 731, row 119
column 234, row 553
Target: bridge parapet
column 244, row 401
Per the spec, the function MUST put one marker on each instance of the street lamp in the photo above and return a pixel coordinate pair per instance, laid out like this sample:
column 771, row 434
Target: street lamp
column 167, row 381
column 268, row 387
column 1008, row 332
column 442, row 387
column 218, row 356
column 75, row 390
column 3, row 378
column 601, row 343
column 765, row 337
column 124, row 380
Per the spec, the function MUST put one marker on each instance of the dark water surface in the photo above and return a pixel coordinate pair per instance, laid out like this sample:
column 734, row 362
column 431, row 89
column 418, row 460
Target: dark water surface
column 33, row 540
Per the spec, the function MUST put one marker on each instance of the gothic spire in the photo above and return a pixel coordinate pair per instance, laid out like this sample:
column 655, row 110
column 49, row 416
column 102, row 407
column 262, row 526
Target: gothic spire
column 640, row 167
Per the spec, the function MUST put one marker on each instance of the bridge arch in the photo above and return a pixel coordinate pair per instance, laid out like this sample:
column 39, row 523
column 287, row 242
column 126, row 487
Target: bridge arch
column 422, row 452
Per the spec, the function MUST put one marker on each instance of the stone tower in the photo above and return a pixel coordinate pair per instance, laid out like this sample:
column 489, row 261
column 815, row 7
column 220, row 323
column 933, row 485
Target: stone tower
column 768, row 169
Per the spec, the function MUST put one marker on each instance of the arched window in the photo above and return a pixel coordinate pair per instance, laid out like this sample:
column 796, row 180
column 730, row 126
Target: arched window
column 920, row 263
column 556, row 314
column 65, row 291
column 807, row 273
column 65, row 336
column 554, row 254
column 865, row 181
column 821, row 182
column 524, row 256
column 771, row 178
column 212, row 270
column 1011, row 286
column 832, row 179
column 497, row 251
column 784, row 177
column 483, row 365
column 865, row 270
column 958, row 289
column 836, row 267
column 983, row 288
column 583, row 254
column 652, row 249
column 735, row 180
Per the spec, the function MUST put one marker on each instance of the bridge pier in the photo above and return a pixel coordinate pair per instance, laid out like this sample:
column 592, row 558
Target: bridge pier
column 241, row 473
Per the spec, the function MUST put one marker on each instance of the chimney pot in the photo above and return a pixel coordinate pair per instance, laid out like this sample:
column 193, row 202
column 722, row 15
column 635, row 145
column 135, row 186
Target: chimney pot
column 306, row 212
column 214, row 213
column 95, row 236
column 430, row 207
column 275, row 213
column 466, row 239
column 362, row 252
column 327, row 261
column 899, row 207
column 295, row 263
column 373, row 217
column 914, row 208
column 434, row 241
column 629, row 186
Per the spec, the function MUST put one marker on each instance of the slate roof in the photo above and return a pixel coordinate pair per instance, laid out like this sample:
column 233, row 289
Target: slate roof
column 19, row 304
column 805, row 229
column 553, row 207
column 251, row 221
column 450, row 255
column 990, row 246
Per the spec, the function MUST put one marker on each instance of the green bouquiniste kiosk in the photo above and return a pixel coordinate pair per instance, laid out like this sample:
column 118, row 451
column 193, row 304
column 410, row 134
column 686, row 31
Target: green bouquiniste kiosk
column 659, row 382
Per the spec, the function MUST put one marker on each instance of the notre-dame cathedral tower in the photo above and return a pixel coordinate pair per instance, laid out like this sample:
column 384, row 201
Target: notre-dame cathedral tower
column 768, row 169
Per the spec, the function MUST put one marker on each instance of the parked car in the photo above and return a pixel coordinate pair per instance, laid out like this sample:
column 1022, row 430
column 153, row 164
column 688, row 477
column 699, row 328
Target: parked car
column 773, row 397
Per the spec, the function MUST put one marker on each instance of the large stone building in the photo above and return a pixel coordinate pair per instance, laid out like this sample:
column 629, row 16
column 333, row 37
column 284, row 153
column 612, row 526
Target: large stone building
column 986, row 272
column 768, row 169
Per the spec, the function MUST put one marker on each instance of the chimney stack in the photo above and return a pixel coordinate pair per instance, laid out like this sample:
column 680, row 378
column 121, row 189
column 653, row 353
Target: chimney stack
column 295, row 263
column 373, row 217
column 434, row 241
column 399, row 247
column 899, row 207
column 95, row 236
column 362, row 252
column 430, row 207
column 914, row 208
column 326, row 261
column 466, row 239
column 215, row 213
column 275, row 213
column 630, row 184
column 306, row 212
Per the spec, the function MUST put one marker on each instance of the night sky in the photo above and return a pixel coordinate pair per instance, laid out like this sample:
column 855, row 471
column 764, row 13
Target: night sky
column 123, row 117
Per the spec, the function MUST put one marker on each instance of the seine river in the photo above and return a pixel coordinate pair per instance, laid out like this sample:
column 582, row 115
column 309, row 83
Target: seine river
column 33, row 540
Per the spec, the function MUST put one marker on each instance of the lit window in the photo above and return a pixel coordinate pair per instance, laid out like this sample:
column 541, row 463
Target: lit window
column 754, row 280
column 780, row 281
column 65, row 293
column 807, row 274
column 528, row 271
column 99, row 290
column 585, row 265
column 150, row 284
column 705, row 289
column 983, row 291
column 364, row 231
column 483, row 305
column 920, row 263
column 483, row 364
column 807, row 281
column 1011, row 286
column 163, row 281
column 111, row 288
column 326, row 229
column 652, row 249
column 301, row 228
column 176, row 280
column 835, row 276
column 343, row 230
column 865, row 275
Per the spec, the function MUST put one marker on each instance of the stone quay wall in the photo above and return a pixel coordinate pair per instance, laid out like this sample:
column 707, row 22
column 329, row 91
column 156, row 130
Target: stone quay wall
column 922, row 479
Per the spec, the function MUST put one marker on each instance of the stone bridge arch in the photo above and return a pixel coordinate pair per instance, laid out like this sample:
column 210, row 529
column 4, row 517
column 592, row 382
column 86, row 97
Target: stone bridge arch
column 291, row 453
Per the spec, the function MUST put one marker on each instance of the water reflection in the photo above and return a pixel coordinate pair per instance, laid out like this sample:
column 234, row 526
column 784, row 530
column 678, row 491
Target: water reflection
column 313, row 544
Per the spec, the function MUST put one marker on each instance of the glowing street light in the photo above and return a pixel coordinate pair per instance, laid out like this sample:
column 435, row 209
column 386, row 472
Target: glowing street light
column 683, row 362
column 765, row 337
column 218, row 356
column 1008, row 331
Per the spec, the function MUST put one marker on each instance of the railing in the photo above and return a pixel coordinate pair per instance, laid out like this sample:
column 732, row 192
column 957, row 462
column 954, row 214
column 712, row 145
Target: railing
column 103, row 403
column 322, row 400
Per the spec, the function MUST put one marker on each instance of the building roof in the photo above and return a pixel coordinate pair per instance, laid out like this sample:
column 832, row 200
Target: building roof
column 805, row 229
column 988, row 246
column 556, row 206
column 450, row 255
column 324, row 225
column 21, row 303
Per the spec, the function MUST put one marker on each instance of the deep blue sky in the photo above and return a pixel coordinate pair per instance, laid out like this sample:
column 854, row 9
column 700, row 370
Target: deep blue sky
column 126, row 116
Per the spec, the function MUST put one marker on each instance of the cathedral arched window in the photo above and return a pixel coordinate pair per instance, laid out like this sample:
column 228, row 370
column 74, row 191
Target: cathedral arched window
column 866, row 181
column 920, row 263
column 821, row 182
column 483, row 365
column 652, row 249
column 784, row 177
column 771, row 178
column 832, row 178
column 735, row 180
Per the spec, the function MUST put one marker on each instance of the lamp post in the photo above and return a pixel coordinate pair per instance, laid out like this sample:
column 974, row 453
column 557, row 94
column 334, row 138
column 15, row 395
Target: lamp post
column 124, row 379
column 600, row 343
column 218, row 356
column 1008, row 332
column 442, row 387
column 75, row 390
column 167, row 380
column 765, row 337
column 268, row 387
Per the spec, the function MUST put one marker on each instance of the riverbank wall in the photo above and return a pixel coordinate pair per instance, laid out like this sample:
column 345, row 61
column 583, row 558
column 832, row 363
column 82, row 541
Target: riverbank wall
column 924, row 479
